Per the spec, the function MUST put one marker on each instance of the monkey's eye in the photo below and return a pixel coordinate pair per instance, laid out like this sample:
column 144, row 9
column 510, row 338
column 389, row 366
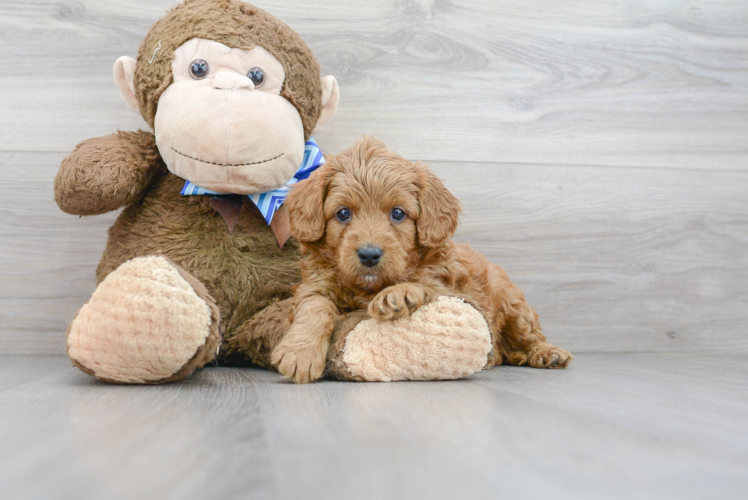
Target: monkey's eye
column 344, row 214
column 199, row 69
column 257, row 76
column 397, row 214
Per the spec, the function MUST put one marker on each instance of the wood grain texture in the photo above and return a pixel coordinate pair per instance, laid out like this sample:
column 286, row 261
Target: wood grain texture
column 599, row 149
column 47, row 258
column 617, row 259
column 611, row 426
column 587, row 82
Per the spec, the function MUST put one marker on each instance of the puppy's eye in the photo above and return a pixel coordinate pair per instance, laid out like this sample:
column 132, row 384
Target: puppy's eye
column 397, row 214
column 344, row 214
column 257, row 76
column 199, row 69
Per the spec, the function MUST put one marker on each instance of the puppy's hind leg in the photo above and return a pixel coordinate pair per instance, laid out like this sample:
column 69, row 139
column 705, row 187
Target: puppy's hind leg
column 525, row 343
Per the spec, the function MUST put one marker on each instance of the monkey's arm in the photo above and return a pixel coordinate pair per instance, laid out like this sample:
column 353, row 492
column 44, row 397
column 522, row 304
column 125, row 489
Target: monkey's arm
column 105, row 173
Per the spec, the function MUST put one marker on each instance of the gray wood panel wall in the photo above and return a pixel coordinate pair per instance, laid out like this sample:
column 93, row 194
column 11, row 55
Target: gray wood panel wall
column 600, row 149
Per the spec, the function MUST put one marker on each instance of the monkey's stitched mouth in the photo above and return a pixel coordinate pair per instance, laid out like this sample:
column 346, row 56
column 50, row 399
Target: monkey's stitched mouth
column 227, row 164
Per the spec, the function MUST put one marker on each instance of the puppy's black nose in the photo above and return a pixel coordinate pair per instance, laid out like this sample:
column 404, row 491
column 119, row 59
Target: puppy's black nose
column 369, row 255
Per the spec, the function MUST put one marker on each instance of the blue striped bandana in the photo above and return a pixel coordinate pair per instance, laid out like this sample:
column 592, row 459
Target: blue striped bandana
column 271, row 201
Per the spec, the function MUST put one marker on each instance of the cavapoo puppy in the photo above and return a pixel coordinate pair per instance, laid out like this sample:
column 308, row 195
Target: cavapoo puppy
column 375, row 231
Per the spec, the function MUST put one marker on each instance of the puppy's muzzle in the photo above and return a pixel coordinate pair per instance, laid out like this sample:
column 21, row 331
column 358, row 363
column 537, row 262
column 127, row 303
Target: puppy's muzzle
column 370, row 255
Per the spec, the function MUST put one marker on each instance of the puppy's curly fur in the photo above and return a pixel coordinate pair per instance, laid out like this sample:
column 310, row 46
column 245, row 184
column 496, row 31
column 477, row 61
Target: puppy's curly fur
column 375, row 231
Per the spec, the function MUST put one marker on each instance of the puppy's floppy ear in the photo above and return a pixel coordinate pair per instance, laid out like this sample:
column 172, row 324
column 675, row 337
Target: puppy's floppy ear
column 439, row 209
column 305, row 205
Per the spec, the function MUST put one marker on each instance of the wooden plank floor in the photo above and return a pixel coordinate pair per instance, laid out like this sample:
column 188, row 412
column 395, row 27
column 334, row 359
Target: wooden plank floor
column 600, row 149
column 612, row 426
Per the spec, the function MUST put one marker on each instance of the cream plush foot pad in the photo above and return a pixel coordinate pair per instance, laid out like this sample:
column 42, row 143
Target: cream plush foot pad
column 143, row 324
column 446, row 339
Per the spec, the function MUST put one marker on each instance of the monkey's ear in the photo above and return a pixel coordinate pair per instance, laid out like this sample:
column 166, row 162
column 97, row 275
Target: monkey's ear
column 124, row 73
column 440, row 210
column 305, row 205
column 330, row 99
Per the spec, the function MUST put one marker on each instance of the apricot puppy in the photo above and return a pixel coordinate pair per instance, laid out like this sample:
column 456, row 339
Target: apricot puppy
column 375, row 231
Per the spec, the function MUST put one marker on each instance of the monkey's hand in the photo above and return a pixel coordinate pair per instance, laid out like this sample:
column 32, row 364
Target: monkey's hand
column 399, row 300
column 105, row 173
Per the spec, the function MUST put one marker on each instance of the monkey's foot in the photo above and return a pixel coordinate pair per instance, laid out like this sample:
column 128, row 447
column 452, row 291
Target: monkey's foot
column 445, row 339
column 148, row 322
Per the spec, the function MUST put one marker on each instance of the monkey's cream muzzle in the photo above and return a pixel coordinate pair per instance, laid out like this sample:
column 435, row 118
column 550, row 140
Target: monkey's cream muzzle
column 214, row 130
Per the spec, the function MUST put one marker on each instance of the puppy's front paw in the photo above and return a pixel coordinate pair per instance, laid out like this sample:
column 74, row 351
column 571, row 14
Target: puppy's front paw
column 397, row 301
column 301, row 363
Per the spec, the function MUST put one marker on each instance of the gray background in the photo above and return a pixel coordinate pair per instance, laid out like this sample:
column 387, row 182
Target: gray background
column 600, row 149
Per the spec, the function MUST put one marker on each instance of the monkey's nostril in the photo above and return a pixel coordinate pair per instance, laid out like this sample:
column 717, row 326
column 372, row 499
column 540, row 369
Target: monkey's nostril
column 370, row 255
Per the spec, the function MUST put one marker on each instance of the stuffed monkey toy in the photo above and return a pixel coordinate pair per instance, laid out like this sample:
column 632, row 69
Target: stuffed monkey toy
column 199, row 267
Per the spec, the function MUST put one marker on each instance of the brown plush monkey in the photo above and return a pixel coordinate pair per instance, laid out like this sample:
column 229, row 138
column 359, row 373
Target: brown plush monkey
column 232, row 95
